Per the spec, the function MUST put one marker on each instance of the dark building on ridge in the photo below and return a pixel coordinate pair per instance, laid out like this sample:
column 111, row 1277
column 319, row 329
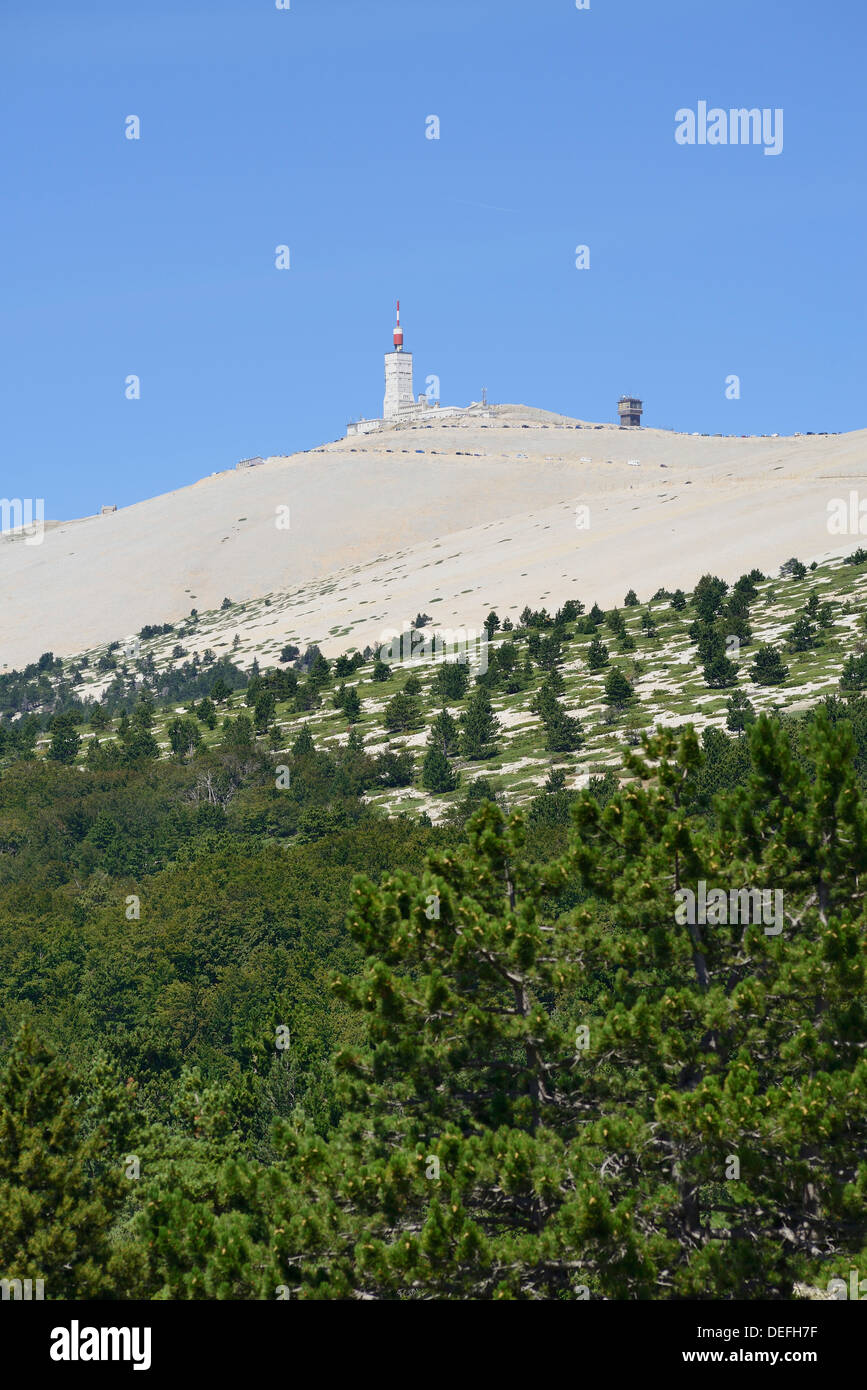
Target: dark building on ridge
column 630, row 411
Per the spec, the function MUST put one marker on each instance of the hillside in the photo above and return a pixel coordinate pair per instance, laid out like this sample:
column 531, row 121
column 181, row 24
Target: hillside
column 656, row 644
column 245, row 969
column 464, row 513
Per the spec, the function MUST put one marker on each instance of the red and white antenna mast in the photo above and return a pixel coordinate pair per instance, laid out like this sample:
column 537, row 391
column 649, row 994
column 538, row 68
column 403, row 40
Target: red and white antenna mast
column 398, row 332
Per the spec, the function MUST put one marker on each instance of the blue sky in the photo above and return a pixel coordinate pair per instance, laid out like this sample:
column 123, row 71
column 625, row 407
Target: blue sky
column 306, row 127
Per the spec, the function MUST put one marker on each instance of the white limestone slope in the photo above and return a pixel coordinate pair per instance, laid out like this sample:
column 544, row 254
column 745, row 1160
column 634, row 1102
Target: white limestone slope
column 452, row 517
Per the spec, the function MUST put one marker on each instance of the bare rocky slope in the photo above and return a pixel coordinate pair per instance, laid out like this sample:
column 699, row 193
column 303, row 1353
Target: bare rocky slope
column 450, row 517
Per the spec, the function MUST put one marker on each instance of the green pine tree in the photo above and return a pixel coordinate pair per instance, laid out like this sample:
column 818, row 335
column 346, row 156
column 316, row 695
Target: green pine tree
column 739, row 713
column 768, row 667
column 402, row 713
column 63, row 1183
column 720, row 672
column 479, row 727
column 803, row 635
column 303, row 742
column 618, row 691
column 185, row 736
column 444, row 732
column 437, row 773
column 352, row 704
column 450, row 682
column 65, row 741
column 563, row 732
column 597, row 654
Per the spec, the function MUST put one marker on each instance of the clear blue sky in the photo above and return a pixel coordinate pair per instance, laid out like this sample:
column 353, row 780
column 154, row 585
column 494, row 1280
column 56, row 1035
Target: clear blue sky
column 307, row 127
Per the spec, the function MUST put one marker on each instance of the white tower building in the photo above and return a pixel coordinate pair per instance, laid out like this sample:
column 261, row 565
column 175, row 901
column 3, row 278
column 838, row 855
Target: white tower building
column 398, row 376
